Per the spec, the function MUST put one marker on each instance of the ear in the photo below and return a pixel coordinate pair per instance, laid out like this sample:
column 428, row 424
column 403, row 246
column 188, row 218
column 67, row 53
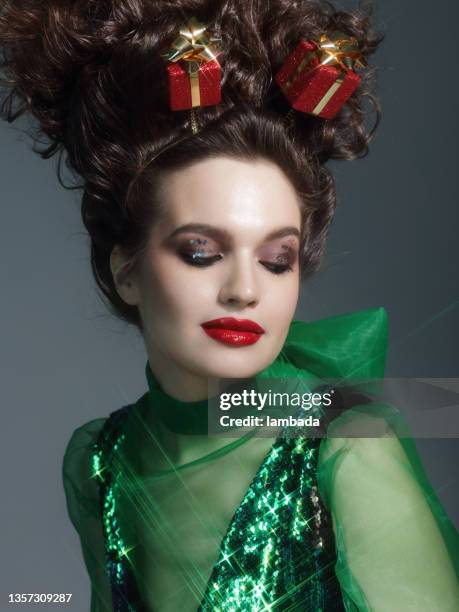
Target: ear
column 123, row 278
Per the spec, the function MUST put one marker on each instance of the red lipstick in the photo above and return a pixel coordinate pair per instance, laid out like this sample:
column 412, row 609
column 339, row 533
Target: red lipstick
column 237, row 332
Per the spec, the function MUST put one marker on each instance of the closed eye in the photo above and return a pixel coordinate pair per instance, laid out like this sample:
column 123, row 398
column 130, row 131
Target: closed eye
column 204, row 262
column 277, row 268
column 198, row 261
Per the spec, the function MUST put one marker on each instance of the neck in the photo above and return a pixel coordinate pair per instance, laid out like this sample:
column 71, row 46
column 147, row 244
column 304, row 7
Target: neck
column 180, row 425
column 183, row 448
column 179, row 383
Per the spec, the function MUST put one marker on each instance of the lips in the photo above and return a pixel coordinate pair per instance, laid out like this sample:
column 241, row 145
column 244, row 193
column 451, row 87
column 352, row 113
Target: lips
column 234, row 324
column 236, row 332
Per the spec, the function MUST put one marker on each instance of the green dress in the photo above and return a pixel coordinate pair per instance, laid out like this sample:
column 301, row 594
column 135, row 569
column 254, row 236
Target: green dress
column 294, row 523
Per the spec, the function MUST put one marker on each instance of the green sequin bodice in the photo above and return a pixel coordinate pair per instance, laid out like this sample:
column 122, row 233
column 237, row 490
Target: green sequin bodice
column 278, row 552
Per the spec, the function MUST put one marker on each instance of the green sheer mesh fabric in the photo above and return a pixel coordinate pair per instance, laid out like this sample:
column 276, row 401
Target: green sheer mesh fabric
column 396, row 548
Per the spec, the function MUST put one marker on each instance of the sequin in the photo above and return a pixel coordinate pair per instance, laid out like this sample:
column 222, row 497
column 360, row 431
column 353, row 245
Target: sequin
column 278, row 552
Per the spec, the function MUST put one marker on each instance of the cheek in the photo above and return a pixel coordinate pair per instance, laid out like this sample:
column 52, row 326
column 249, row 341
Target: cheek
column 176, row 293
column 282, row 306
column 283, row 298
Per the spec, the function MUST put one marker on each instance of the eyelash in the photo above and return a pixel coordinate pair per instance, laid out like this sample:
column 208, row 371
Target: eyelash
column 277, row 268
column 199, row 262
column 205, row 262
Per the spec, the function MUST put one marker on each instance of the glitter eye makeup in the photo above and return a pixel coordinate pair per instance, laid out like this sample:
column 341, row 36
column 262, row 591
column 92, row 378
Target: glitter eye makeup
column 279, row 258
column 198, row 252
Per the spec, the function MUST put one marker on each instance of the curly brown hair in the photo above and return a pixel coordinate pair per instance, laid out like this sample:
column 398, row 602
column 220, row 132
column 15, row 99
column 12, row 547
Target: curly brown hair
column 91, row 73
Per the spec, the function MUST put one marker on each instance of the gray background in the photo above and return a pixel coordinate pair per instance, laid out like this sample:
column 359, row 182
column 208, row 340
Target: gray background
column 64, row 360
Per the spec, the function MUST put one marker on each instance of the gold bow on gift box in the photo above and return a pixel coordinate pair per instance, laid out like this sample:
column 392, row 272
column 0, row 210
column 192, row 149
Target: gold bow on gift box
column 195, row 46
column 192, row 44
column 341, row 50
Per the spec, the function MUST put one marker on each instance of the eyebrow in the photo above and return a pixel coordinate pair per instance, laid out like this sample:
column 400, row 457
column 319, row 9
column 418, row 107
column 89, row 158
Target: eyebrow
column 221, row 234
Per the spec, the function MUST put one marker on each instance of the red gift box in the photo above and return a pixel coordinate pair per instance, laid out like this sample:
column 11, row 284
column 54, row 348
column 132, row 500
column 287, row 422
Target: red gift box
column 313, row 87
column 194, row 84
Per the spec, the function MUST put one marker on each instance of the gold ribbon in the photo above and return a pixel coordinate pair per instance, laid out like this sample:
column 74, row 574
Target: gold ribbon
column 339, row 50
column 195, row 46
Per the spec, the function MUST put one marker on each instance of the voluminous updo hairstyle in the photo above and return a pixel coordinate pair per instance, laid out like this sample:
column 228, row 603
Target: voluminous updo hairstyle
column 90, row 72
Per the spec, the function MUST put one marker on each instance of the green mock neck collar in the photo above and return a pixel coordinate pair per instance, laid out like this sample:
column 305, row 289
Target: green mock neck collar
column 177, row 416
column 346, row 346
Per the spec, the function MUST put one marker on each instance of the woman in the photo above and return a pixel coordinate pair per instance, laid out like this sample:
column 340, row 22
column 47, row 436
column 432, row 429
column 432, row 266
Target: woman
column 203, row 222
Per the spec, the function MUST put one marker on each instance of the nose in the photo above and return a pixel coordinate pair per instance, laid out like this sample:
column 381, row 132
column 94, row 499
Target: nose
column 240, row 286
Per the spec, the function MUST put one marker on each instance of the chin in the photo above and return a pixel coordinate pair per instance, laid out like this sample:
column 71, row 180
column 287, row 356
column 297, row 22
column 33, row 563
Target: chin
column 239, row 366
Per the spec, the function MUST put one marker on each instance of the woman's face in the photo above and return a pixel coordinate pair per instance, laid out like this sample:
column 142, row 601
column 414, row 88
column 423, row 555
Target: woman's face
column 226, row 246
